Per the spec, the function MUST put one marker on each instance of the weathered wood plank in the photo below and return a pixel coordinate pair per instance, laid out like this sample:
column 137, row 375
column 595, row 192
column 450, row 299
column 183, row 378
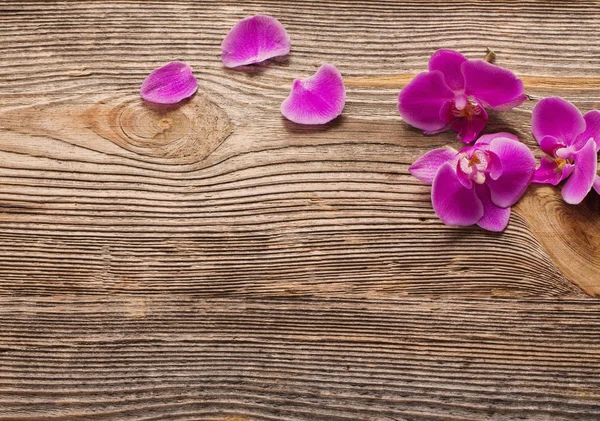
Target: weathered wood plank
column 124, row 194
column 216, row 262
column 185, row 358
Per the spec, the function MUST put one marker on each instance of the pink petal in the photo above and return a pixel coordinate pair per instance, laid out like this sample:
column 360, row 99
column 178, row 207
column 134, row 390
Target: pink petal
column 581, row 181
column 486, row 139
column 518, row 165
column 448, row 62
column 169, row 84
column 421, row 101
column 495, row 86
column 317, row 99
column 597, row 184
column 592, row 130
column 468, row 128
column 446, row 116
column 452, row 202
column 253, row 40
column 549, row 144
column 495, row 166
column 462, row 176
column 494, row 217
column 426, row 167
column 549, row 173
column 558, row 118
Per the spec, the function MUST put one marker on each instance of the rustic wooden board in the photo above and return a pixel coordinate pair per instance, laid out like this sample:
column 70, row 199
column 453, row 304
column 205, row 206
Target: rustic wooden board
column 214, row 261
column 144, row 358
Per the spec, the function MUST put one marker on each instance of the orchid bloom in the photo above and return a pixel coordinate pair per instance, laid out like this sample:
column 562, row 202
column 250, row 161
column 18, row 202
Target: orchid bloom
column 479, row 184
column 572, row 141
column 454, row 94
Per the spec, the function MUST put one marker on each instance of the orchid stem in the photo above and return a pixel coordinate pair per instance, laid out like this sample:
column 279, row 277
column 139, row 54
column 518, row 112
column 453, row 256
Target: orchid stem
column 490, row 56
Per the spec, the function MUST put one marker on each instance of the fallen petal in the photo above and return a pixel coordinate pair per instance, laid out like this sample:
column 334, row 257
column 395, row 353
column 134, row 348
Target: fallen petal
column 494, row 217
column 448, row 62
column 452, row 202
column 426, row 167
column 317, row 99
column 253, row 40
column 518, row 166
column 495, row 86
column 169, row 84
column 421, row 101
column 558, row 118
column 549, row 173
column 582, row 179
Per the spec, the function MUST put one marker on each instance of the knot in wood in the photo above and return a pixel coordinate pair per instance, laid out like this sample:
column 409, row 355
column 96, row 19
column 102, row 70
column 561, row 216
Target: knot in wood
column 182, row 133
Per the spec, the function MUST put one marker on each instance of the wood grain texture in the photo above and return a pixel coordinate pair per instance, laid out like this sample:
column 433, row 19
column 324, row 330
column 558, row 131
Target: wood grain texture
column 109, row 193
column 298, row 359
column 213, row 261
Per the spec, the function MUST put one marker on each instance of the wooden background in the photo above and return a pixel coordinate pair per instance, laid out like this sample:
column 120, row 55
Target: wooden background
column 217, row 262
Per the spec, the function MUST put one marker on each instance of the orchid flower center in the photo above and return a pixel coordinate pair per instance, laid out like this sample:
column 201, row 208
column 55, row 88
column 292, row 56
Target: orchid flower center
column 560, row 162
column 475, row 166
column 469, row 108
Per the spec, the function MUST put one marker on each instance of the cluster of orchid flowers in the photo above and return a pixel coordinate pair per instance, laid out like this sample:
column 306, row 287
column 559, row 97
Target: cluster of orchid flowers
column 476, row 185
column 479, row 183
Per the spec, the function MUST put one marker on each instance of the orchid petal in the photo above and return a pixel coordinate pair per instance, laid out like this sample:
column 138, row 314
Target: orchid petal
column 452, row 202
column 448, row 62
column 518, row 165
column 469, row 127
column 581, row 181
column 592, row 130
column 486, row 139
column 254, row 40
column 420, row 102
column 549, row 173
column 565, row 153
column 495, row 86
column 550, row 144
column 426, row 167
column 495, row 166
column 558, row 118
column 494, row 217
column 169, row 84
column 463, row 171
column 597, row 184
column 317, row 99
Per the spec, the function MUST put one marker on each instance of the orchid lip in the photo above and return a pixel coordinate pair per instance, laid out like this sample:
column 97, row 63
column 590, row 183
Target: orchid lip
column 467, row 109
column 475, row 165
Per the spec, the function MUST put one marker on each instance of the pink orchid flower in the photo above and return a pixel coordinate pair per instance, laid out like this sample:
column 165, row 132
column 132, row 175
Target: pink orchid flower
column 454, row 94
column 479, row 184
column 572, row 141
